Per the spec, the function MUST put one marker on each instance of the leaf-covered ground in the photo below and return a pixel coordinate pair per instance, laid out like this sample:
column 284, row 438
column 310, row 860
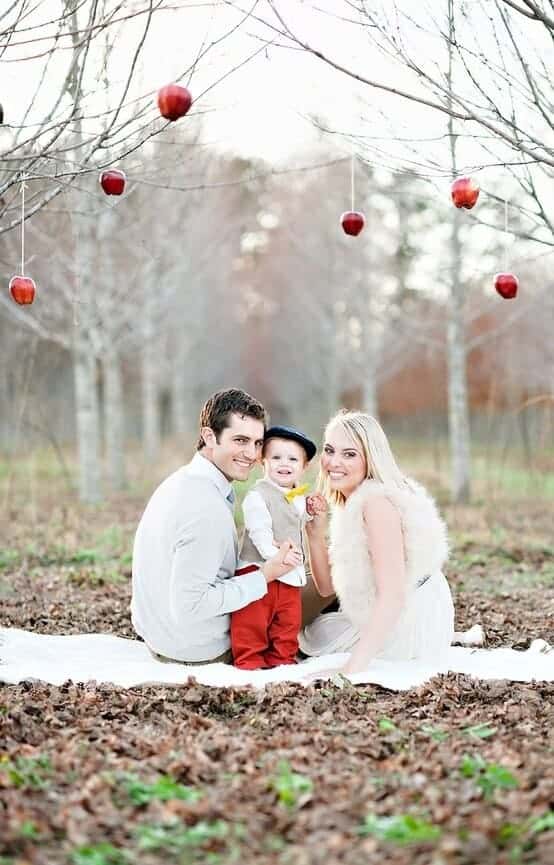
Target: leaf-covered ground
column 455, row 772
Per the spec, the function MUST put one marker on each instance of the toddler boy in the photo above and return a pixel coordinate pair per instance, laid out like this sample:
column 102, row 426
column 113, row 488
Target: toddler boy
column 265, row 633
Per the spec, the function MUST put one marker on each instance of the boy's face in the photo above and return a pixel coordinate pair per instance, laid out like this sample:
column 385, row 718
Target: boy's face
column 284, row 462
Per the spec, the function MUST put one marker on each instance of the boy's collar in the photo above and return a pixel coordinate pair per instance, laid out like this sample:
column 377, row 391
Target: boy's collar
column 277, row 486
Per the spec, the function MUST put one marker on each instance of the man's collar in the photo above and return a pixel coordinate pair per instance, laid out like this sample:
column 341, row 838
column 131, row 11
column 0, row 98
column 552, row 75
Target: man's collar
column 202, row 467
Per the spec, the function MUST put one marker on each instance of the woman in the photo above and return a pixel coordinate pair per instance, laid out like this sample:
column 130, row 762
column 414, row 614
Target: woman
column 387, row 547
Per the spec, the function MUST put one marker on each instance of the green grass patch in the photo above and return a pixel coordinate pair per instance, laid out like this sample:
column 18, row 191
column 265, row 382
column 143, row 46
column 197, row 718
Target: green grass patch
column 29, row 830
column 520, row 838
column 83, row 557
column 100, row 854
column 177, row 838
column 83, row 565
column 400, row 829
column 99, row 575
column 480, row 731
column 385, row 725
column 8, row 558
column 112, row 540
column 435, row 733
column 489, row 777
column 163, row 789
column 27, row 773
column 512, row 480
column 292, row 788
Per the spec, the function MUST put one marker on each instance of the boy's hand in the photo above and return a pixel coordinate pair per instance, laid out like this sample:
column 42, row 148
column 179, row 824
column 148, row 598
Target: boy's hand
column 294, row 557
column 284, row 561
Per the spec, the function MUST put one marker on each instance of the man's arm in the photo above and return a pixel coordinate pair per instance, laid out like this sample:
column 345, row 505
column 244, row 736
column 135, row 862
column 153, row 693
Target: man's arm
column 195, row 591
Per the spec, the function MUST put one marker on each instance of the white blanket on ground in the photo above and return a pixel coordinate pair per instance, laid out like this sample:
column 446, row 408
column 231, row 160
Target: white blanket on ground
column 119, row 661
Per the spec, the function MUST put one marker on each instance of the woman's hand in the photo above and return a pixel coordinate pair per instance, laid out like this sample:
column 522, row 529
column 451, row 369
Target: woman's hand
column 316, row 531
column 316, row 507
column 349, row 669
column 316, row 504
column 327, row 673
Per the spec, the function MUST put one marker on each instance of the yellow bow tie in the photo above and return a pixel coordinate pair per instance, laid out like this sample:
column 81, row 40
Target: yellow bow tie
column 296, row 491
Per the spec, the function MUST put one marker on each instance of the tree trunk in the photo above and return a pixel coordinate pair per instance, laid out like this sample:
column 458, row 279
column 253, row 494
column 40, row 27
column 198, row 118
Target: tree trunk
column 180, row 412
column 151, row 428
column 458, row 408
column 369, row 336
column 85, row 347
column 370, row 395
column 6, row 430
column 332, row 357
column 114, row 420
column 85, row 352
column 87, row 417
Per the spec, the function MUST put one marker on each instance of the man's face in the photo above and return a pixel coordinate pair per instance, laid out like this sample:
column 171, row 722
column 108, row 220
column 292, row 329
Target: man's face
column 238, row 449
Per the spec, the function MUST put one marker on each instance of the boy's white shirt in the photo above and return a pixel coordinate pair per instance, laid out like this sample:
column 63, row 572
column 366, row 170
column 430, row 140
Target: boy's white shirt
column 259, row 525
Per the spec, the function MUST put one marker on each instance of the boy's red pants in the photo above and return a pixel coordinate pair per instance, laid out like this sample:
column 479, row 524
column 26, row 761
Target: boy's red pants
column 265, row 633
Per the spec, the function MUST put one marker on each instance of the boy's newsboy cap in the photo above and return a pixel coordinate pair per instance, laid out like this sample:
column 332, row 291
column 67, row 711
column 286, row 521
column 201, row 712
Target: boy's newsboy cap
column 287, row 432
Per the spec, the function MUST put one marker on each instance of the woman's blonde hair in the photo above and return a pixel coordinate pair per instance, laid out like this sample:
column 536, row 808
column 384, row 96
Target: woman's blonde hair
column 367, row 433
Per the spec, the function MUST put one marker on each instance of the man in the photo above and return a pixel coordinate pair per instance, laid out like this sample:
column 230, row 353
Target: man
column 185, row 550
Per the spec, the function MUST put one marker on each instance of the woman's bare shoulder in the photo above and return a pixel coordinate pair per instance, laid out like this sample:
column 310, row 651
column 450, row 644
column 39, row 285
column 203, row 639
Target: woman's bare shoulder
column 379, row 510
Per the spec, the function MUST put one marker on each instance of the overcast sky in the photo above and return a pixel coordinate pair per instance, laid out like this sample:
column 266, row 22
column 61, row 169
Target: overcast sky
column 265, row 108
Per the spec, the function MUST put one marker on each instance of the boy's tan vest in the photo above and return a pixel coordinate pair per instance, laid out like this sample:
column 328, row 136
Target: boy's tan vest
column 287, row 523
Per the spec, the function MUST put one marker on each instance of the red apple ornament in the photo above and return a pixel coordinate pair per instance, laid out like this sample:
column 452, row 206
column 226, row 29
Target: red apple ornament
column 352, row 222
column 112, row 181
column 465, row 192
column 174, row 101
column 22, row 289
column 506, row 285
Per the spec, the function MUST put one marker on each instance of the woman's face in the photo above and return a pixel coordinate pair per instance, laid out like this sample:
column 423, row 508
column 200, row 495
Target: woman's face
column 342, row 461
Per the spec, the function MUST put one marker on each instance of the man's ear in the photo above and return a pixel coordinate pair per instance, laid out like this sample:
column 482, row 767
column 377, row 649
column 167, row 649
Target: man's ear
column 208, row 436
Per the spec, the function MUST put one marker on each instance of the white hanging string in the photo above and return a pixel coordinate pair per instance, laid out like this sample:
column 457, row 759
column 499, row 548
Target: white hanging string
column 505, row 235
column 23, row 187
column 352, row 180
column 76, row 302
column 75, row 232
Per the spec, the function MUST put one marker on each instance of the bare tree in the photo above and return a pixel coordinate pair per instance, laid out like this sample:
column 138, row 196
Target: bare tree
column 89, row 110
column 501, row 99
column 458, row 405
column 494, row 91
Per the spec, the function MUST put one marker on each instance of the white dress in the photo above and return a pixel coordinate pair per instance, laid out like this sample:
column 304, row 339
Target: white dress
column 425, row 628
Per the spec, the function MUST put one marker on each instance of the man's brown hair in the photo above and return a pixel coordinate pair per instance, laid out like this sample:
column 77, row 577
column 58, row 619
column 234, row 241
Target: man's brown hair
column 217, row 410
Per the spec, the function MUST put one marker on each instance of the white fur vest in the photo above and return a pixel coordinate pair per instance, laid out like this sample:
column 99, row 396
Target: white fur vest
column 425, row 543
